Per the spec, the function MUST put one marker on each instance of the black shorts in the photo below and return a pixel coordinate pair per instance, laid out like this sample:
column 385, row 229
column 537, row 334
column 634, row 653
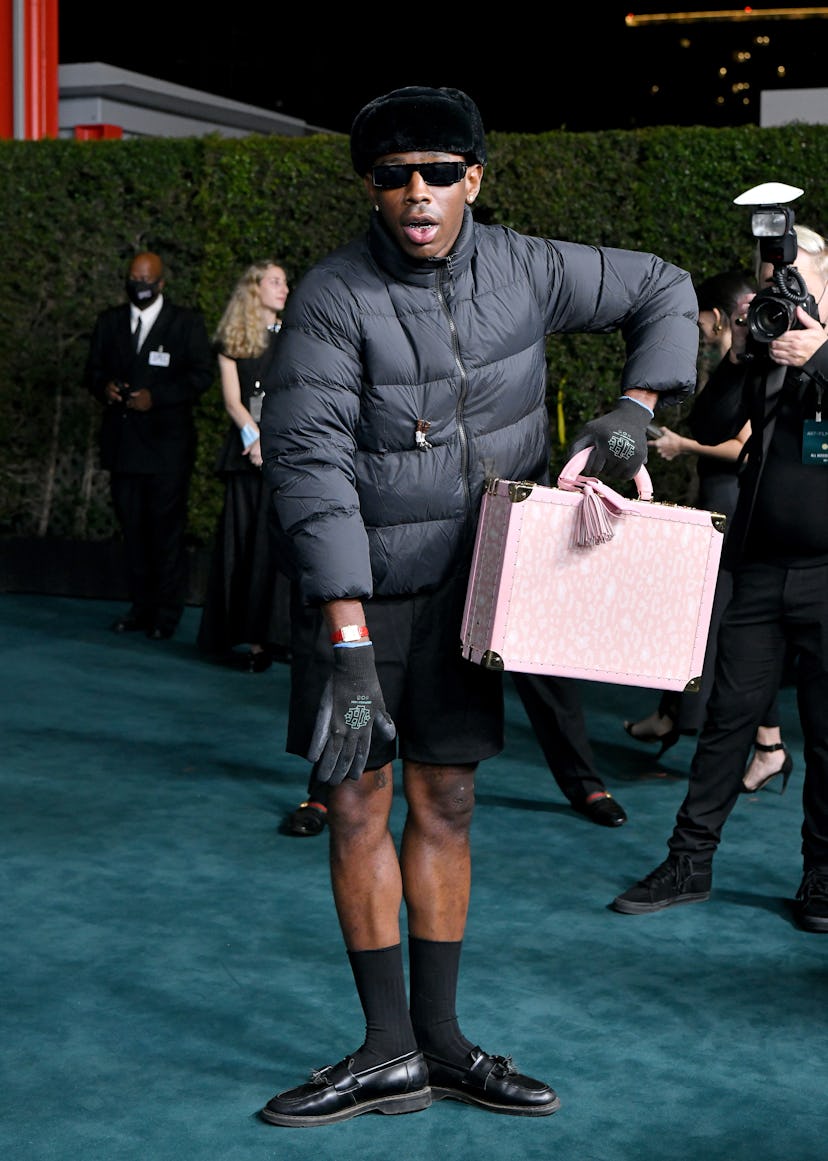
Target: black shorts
column 448, row 711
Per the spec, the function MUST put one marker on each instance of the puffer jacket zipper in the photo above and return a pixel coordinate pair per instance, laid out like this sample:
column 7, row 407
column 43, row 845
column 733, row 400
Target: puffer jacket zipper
column 443, row 276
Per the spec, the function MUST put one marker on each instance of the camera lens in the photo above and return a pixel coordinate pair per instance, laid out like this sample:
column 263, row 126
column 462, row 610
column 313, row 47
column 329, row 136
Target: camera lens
column 770, row 316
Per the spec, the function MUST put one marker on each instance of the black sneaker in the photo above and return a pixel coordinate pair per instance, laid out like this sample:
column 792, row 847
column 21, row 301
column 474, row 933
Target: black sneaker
column 676, row 880
column 811, row 907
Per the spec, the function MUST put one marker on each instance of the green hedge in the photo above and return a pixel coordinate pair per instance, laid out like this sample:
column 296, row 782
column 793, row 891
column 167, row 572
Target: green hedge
column 73, row 213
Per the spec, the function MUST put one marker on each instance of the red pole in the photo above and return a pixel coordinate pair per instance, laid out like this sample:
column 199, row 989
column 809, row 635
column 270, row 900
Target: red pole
column 31, row 70
column 50, row 68
column 6, row 69
column 40, row 82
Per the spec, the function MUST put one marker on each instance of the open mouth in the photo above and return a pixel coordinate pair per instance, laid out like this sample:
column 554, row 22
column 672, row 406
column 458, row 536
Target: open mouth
column 421, row 232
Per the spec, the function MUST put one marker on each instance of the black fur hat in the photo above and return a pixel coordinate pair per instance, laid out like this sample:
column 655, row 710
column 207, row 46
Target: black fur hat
column 417, row 119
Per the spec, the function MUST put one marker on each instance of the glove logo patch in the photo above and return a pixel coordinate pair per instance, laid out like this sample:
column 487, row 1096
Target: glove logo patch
column 621, row 445
column 359, row 714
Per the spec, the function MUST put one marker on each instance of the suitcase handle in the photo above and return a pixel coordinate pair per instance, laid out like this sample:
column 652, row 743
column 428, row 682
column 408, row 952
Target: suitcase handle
column 571, row 480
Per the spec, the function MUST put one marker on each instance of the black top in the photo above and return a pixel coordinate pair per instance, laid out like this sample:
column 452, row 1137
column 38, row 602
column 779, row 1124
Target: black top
column 790, row 519
column 716, row 416
column 251, row 377
column 781, row 511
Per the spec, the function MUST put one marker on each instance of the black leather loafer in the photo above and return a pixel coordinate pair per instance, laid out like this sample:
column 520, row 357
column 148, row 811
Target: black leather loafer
column 493, row 1083
column 336, row 1093
column 605, row 811
column 250, row 662
column 259, row 662
column 307, row 819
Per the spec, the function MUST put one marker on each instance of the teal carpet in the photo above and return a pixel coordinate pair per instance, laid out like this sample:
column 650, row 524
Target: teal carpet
column 170, row 960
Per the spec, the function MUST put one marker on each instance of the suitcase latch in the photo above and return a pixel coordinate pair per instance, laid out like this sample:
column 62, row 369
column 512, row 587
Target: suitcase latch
column 518, row 492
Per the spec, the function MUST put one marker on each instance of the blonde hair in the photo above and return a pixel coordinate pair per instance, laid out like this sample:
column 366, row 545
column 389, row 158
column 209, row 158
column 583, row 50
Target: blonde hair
column 814, row 244
column 809, row 241
column 240, row 333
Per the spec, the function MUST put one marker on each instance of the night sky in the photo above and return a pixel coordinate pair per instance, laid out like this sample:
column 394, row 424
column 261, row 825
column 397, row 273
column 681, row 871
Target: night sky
column 526, row 72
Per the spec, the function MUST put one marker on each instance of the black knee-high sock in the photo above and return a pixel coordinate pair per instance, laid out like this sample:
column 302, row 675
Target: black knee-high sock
column 380, row 983
column 434, row 970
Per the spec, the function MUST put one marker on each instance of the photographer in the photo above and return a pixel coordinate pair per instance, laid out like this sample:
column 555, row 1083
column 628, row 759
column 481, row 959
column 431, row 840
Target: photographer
column 719, row 433
column 777, row 549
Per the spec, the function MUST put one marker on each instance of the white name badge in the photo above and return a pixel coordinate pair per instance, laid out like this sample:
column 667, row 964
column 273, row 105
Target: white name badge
column 160, row 358
column 815, row 442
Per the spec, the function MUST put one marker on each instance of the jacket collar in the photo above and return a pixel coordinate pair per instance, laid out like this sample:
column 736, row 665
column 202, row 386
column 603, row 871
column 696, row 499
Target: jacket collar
column 419, row 271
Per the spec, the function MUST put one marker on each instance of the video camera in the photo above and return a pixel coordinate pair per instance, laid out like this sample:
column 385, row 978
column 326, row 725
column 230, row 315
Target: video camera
column 773, row 310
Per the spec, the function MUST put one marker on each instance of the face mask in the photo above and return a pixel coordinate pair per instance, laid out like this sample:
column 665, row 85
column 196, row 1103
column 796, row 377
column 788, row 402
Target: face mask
column 140, row 293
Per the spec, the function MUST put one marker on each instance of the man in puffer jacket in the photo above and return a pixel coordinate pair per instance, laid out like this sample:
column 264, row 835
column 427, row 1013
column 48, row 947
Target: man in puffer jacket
column 411, row 367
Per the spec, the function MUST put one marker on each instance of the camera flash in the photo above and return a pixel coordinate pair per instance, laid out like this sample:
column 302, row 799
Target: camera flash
column 770, row 223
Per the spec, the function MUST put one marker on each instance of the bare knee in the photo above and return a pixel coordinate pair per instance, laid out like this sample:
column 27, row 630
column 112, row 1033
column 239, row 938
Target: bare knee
column 440, row 798
column 359, row 809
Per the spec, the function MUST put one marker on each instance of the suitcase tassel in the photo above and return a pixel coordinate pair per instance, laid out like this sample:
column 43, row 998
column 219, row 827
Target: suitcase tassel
column 592, row 523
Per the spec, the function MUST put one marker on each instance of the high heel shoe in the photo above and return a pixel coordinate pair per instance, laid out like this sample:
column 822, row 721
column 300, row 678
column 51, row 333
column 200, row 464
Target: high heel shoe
column 785, row 769
column 667, row 740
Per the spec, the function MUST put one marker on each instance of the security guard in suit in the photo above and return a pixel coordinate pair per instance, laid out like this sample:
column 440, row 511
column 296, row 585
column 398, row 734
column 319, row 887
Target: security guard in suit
column 149, row 363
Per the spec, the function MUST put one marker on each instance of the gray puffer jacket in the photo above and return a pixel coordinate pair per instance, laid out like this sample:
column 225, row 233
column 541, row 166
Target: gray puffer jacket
column 399, row 386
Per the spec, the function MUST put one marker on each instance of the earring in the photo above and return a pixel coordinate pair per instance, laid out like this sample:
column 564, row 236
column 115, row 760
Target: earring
column 717, row 328
column 469, row 200
column 376, row 207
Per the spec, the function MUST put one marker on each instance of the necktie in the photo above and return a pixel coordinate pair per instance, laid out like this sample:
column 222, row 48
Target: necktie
column 136, row 337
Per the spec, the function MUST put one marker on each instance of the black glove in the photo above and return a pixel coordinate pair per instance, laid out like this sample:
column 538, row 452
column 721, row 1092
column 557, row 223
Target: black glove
column 352, row 705
column 618, row 440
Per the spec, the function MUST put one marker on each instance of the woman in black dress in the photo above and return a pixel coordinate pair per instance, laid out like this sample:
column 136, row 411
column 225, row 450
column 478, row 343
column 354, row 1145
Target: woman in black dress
column 247, row 600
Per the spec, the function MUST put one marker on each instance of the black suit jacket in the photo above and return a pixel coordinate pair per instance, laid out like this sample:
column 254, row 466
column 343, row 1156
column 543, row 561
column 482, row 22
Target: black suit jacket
column 176, row 363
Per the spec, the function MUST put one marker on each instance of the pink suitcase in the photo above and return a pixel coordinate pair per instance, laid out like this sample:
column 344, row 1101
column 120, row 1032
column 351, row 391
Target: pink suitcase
column 580, row 581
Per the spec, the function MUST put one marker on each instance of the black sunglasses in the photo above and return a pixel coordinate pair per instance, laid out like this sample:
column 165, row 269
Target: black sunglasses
column 432, row 173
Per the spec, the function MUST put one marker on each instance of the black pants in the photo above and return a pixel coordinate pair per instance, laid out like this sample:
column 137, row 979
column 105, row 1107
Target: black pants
column 772, row 610
column 687, row 710
column 553, row 706
column 447, row 711
column 152, row 512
